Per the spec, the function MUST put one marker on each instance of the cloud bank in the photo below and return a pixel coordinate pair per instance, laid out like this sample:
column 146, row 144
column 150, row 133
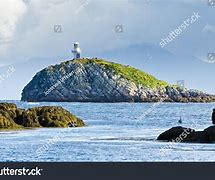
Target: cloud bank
column 11, row 11
column 27, row 34
column 27, row 27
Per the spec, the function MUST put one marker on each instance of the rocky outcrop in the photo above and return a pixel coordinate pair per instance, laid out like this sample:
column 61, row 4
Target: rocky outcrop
column 181, row 134
column 12, row 117
column 175, row 133
column 209, row 134
column 93, row 80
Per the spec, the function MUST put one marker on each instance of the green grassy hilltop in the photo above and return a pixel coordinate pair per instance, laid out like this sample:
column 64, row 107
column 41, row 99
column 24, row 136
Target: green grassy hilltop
column 130, row 73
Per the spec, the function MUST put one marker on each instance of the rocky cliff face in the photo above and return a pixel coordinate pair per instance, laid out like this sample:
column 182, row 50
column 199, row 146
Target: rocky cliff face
column 93, row 80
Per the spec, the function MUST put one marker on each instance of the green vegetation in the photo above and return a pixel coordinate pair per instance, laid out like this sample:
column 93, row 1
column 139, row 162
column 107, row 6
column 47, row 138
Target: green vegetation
column 8, row 123
column 8, row 113
column 127, row 72
column 50, row 117
column 12, row 117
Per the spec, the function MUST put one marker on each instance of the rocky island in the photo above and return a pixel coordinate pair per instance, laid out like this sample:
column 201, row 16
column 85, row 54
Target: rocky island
column 95, row 80
column 12, row 117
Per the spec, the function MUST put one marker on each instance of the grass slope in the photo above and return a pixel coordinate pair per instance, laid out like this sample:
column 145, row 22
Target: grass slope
column 127, row 72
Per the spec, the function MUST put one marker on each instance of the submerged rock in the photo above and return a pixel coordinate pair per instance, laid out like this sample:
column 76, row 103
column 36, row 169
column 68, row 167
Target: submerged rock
column 12, row 117
column 94, row 80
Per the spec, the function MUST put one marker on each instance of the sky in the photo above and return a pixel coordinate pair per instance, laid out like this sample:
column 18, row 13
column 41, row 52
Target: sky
column 27, row 33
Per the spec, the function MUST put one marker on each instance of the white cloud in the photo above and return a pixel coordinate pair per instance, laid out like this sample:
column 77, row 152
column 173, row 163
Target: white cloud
column 10, row 13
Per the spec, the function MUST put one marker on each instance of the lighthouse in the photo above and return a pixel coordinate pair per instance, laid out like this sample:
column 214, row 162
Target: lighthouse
column 77, row 51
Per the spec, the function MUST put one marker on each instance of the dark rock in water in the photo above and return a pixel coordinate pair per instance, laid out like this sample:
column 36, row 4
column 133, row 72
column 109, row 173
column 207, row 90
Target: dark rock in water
column 209, row 134
column 181, row 134
column 195, row 137
column 94, row 80
column 12, row 117
column 176, row 134
column 213, row 116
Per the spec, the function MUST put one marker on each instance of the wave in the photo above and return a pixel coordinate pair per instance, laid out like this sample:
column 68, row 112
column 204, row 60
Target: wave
column 33, row 103
column 124, row 139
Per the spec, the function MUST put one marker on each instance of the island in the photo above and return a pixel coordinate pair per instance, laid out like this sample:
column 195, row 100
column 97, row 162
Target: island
column 12, row 117
column 97, row 80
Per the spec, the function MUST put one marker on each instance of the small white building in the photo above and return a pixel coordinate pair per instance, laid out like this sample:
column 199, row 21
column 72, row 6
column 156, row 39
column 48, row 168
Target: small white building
column 77, row 51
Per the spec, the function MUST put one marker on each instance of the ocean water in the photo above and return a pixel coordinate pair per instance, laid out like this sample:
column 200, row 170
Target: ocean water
column 115, row 132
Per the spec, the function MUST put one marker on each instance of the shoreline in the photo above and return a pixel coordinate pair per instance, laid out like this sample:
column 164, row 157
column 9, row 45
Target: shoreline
column 121, row 102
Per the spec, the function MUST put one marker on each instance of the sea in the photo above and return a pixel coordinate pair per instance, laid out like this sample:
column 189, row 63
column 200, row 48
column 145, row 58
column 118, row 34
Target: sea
column 114, row 132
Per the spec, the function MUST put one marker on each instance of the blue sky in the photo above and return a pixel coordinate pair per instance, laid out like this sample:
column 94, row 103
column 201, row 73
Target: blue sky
column 27, row 34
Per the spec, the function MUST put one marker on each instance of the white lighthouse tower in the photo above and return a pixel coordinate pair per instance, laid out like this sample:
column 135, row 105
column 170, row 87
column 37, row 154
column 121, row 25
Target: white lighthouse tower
column 77, row 51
